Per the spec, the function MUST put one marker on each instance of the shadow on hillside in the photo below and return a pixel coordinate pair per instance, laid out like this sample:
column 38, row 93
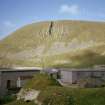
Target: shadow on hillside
column 85, row 59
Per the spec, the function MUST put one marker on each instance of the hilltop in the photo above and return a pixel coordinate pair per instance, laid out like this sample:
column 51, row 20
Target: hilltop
column 55, row 44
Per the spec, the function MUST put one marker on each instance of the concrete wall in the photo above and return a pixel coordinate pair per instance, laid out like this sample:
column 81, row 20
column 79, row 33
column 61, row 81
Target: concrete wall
column 72, row 77
column 78, row 75
column 0, row 79
column 13, row 77
column 66, row 76
column 0, row 83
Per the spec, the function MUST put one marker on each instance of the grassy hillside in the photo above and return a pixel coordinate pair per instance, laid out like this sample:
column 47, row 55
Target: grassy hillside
column 62, row 44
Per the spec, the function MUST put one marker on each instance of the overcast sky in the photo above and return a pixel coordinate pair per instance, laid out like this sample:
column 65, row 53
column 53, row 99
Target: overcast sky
column 16, row 13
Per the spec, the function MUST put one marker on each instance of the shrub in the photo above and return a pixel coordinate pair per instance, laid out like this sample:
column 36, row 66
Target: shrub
column 41, row 81
column 7, row 99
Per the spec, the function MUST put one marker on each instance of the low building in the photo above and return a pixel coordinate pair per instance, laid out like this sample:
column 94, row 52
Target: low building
column 72, row 76
column 15, row 77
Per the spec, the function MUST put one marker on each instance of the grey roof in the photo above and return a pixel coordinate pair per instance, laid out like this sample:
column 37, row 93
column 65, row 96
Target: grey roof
column 52, row 70
column 82, row 69
column 20, row 69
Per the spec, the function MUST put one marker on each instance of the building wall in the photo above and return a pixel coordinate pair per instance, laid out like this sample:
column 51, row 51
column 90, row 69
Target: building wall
column 72, row 77
column 0, row 79
column 0, row 83
column 13, row 77
column 66, row 76
column 78, row 75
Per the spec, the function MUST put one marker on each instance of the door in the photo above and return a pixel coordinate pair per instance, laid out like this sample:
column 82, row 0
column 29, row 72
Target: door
column 8, row 84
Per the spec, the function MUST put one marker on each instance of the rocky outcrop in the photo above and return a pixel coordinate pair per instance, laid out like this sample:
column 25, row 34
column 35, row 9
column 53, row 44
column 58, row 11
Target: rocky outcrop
column 28, row 95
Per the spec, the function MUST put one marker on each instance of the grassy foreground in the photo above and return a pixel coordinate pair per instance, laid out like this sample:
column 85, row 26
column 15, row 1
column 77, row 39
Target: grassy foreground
column 69, row 96
column 21, row 103
column 54, row 94
column 41, row 82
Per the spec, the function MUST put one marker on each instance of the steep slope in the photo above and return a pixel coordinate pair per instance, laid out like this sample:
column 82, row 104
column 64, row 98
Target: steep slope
column 55, row 43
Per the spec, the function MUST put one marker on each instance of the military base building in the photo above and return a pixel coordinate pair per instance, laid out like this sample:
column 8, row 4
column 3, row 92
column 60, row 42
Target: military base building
column 17, row 77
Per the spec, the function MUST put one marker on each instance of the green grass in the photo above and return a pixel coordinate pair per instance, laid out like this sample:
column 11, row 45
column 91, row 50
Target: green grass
column 69, row 96
column 6, row 99
column 40, row 82
column 21, row 103
column 54, row 94
column 51, row 93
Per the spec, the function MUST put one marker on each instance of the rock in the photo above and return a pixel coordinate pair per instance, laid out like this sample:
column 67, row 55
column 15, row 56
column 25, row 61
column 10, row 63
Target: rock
column 28, row 94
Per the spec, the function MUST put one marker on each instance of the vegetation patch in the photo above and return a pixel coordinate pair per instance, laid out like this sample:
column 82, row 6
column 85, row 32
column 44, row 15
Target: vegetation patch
column 69, row 96
column 52, row 93
column 20, row 102
column 56, row 96
column 7, row 99
column 40, row 82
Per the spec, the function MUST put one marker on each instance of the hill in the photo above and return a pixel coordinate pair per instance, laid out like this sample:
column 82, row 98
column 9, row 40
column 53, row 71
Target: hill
column 55, row 44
